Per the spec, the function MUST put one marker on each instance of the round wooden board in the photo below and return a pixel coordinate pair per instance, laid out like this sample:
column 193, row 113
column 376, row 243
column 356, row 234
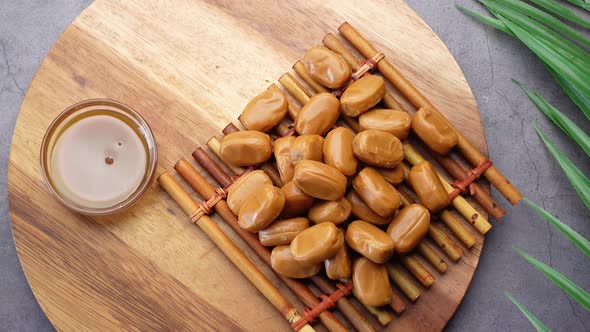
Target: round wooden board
column 189, row 67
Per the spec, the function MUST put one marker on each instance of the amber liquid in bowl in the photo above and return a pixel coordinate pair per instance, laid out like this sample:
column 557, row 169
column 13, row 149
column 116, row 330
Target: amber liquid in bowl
column 98, row 157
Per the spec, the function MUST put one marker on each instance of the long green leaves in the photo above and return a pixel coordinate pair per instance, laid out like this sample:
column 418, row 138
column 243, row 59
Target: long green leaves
column 581, row 3
column 575, row 95
column 575, row 237
column 546, row 19
column 558, row 9
column 534, row 320
column 563, row 46
column 576, row 177
column 562, row 121
column 576, row 75
column 573, row 290
column 494, row 22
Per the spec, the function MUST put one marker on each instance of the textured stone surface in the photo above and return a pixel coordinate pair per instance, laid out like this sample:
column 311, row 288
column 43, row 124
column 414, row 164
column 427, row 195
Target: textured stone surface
column 489, row 59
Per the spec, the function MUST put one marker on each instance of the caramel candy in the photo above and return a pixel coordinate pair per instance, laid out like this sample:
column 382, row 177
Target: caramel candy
column 394, row 175
column 242, row 189
column 326, row 67
column 338, row 150
column 319, row 180
column 307, row 147
column 434, row 130
column 409, row 227
column 261, row 208
column 339, row 266
column 394, row 122
column 282, row 231
column 296, row 201
column 265, row 111
column 369, row 241
column 245, row 148
column 282, row 152
column 335, row 212
column 377, row 193
column 362, row 211
column 317, row 243
column 283, row 262
column 371, row 282
column 428, row 187
column 318, row 115
column 378, row 148
column 361, row 95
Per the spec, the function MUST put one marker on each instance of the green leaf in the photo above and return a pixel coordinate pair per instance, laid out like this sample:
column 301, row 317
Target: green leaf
column 493, row 22
column 581, row 3
column 576, row 177
column 534, row 320
column 575, row 95
column 575, row 75
column 546, row 19
column 573, row 236
column 573, row 290
column 558, row 9
column 540, row 31
column 562, row 121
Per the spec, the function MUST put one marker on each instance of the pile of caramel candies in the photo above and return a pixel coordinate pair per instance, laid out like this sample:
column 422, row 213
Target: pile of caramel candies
column 339, row 191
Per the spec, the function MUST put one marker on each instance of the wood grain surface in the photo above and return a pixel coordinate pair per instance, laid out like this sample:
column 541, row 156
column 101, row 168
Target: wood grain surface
column 189, row 67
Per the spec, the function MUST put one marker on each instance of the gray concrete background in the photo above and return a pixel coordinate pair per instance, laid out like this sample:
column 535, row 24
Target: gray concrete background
column 489, row 60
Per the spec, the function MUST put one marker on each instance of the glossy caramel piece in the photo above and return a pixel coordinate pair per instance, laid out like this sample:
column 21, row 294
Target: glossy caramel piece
column 394, row 175
column 245, row 148
column 261, row 208
column 243, row 187
column 371, row 282
column 319, row 180
column 283, row 262
column 338, row 151
column 339, row 266
column 335, row 212
column 369, row 241
column 377, row 193
column 363, row 212
column 434, row 130
column 361, row 95
column 378, row 148
column 296, row 201
column 307, row 147
column 394, row 122
column 282, row 231
column 282, row 152
column 427, row 185
column 326, row 67
column 265, row 111
column 409, row 227
column 317, row 243
column 318, row 115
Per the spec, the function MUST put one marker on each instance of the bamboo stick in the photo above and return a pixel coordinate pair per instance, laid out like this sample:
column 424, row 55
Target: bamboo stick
column 478, row 192
column 205, row 190
column 408, row 287
column 382, row 316
column 397, row 303
column 299, row 68
column 231, row 251
column 468, row 211
column 441, row 238
column 405, row 87
column 294, row 88
column 457, row 228
column 413, row 265
column 426, row 250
